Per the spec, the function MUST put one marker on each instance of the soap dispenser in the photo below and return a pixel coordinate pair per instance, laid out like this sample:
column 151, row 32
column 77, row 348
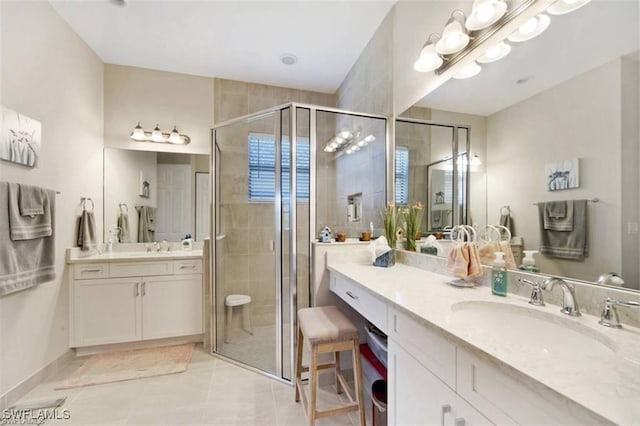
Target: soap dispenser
column 499, row 275
column 529, row 263
column 187, row 242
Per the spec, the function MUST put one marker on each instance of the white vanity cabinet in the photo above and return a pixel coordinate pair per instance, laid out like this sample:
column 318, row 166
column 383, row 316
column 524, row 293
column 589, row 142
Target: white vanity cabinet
column 131, row 301
column 434, row 379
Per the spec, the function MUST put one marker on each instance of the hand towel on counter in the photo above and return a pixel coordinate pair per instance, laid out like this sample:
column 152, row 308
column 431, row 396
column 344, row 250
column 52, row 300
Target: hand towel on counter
column 475, row 267
column 31, row 200
column 558, row 215
column 25, row 263
column 123, row 223
column 146, row 224
column 28, row 227
column 87, row 230
column 458, row 260
column 572, row 245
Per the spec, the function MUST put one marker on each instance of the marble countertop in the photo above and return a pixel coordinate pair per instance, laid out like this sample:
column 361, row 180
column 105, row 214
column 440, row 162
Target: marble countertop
column 607, row 385
column 76, row 256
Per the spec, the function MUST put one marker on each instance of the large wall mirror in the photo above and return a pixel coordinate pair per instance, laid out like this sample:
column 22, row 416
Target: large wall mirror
column 164, row 196
column 563, row 103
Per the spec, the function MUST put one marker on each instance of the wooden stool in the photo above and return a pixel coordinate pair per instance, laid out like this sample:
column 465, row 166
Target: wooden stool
column 328, row 330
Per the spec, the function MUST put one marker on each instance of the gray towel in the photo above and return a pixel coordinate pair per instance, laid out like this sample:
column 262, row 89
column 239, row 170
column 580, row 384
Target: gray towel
column 27, row 227
column 123, row 224
column 31, row 200
column 25, row 263
column 87, row 230
column 146, row 224
column 558, row 215
column 572, row 245
column 507, row 221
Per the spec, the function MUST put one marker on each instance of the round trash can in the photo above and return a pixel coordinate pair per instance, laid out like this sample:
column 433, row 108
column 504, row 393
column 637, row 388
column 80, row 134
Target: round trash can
column 379, row 399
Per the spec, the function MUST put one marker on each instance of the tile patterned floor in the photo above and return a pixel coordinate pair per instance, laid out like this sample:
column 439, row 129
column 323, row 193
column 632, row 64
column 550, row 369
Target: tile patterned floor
column 211, row 392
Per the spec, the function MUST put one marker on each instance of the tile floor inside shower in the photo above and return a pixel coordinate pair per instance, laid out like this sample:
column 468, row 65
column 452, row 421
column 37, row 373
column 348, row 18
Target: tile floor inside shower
column 211, row 392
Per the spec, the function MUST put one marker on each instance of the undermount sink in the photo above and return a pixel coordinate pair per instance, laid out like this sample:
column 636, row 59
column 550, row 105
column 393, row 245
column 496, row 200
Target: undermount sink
column 541, row 333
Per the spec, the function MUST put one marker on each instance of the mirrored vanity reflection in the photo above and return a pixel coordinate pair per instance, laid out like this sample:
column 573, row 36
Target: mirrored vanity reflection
column 161, row 196
column 566, row 101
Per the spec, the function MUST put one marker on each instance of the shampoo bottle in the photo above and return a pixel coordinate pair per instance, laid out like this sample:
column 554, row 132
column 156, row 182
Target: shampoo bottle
column 529, row 263
column 499, row 275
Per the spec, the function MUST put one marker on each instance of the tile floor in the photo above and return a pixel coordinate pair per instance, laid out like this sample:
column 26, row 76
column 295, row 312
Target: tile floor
column 211, row 392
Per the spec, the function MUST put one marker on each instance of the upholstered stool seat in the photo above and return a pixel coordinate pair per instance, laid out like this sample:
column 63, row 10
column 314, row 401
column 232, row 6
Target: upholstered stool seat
column 237, row 300
column 328, row 331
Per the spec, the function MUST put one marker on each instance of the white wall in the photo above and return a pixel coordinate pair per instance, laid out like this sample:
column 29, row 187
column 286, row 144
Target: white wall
column 149, row 96
column 580, row 118
column 49, row 74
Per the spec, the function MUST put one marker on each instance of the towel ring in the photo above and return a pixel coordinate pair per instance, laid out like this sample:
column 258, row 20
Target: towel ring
column 121, row 205
column 84, row 203
column 489, row 235
column 506, row 230
column 458, row 228
column 472, row 232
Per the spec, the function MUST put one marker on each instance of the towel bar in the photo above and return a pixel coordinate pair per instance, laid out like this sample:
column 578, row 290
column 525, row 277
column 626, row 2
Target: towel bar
column 592, row 200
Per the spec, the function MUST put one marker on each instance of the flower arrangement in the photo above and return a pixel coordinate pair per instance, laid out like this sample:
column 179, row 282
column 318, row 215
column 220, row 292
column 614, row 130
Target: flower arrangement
column 412, row 220
column 390, row 218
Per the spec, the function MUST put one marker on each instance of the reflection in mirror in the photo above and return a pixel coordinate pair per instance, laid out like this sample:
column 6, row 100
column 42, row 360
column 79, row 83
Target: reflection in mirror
column 166, row 193
column 568, row 96
column 425, row 155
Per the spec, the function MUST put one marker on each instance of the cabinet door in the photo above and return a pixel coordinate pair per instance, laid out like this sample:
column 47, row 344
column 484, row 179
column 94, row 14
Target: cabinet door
column 107, row 311
column 171, row 306
column 416, row 396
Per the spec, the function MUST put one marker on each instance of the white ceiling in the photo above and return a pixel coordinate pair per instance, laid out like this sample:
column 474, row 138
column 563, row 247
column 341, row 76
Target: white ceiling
column 573, row 44
column 240, row 40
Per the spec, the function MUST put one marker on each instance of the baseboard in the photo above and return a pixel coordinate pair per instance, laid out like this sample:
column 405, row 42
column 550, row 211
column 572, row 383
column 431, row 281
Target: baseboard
column 21, row 389
column 99, row 349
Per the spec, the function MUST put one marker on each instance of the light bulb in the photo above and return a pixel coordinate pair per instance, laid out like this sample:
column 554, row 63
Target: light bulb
column 529, row 26
column 429, row 60
column 356, row 148
column 345, row 134
column 495, row 53
column 156, row 135
column 485, row 12
column 329, row 148
column 174, row 137
column 339, row 140
column 565, row 6
column 370, row 138
column 349, row 151
column 334, row 144
column 468, row 71
column 362, row 143
column 454, row 38
column 138, row 133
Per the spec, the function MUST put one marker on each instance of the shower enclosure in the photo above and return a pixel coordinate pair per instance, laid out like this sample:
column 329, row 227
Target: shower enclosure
column 271, row 170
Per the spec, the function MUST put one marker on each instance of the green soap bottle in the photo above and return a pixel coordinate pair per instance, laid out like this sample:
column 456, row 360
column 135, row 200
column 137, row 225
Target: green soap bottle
column 499, row 275
column 529, row 263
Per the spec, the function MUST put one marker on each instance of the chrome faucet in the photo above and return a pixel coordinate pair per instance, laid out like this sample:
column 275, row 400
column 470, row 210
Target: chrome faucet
column 536, row 292
column 569, row 302
column 609, row 317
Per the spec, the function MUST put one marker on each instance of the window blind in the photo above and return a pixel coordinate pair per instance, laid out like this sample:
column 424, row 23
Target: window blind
column 402, row 175
column 262, row 170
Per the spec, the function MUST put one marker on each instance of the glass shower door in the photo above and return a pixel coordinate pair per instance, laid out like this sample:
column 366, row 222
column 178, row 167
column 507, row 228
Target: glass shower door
column 247, row 289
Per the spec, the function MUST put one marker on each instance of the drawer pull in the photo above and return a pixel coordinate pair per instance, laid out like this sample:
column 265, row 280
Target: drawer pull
column 460, row 421
column 351, row 295
column 144, row 288
column 187, row 266
column 137, row 289
column 86, row 271
column 445, row 409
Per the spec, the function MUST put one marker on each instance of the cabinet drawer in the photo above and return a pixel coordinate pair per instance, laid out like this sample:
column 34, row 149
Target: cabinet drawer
column 88, row 271
column 431, row 349
column 503, row 400
column 140, row 269
column 367, row 305
column 191, row 266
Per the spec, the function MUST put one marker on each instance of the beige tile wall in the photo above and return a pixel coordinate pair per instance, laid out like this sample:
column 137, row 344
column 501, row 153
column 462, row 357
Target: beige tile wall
column 249, row 262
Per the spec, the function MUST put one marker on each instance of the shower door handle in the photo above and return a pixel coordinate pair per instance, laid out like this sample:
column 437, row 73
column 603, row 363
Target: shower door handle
column 272, row 246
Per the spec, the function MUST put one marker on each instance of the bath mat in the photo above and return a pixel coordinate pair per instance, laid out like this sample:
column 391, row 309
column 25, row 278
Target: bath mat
column 130, row 365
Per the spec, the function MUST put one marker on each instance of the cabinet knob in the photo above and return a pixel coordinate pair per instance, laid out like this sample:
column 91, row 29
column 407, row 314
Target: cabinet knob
column 444, row 410
column 144, row 288
column 460, row 421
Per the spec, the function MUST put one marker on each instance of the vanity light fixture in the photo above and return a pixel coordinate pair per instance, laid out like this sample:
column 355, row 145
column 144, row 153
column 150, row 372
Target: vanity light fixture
column 485, row 13
column 561, row 7
column 468, row 71
column 530, row 29
column 157, row 136
column 454, row 36
column 429, row 59
column 495, row 53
